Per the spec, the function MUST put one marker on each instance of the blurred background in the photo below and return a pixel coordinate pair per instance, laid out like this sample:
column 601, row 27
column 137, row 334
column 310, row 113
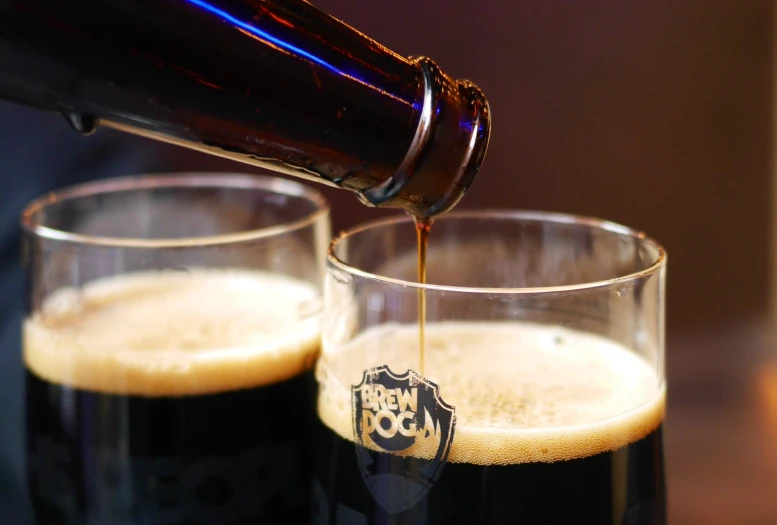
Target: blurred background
column 658, row 115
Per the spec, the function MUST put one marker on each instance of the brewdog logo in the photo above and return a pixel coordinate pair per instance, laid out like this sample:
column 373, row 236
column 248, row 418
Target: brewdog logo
column 402, row 416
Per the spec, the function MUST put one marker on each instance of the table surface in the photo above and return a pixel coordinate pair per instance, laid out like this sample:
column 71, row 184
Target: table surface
column 721, row 427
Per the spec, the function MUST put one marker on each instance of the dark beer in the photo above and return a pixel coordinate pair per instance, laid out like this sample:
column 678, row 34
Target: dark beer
column 551, row 427
column 172, row 398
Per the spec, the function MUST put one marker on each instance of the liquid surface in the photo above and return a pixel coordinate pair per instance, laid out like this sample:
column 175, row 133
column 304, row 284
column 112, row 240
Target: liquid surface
column 523, row 393
column 175, row 333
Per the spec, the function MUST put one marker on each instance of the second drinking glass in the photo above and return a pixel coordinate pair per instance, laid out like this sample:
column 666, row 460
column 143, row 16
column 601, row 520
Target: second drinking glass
column 171, row 323
column 535, row 395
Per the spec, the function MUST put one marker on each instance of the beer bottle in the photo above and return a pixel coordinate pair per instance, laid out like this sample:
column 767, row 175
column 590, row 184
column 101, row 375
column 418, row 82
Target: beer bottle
column 278, row 84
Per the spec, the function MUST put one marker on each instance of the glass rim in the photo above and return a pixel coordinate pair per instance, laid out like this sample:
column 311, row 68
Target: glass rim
column 184, row 179
column 522, row 215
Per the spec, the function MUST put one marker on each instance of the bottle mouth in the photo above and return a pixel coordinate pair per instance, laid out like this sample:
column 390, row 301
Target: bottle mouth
column 447, row 151
column 476, row 125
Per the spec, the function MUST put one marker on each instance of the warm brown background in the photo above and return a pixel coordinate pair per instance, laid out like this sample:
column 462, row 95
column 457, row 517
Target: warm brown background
column 656, row 114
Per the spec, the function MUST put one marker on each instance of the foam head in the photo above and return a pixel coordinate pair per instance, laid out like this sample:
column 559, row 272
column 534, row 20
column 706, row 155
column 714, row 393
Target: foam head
column 175, row 333
column 522, row 392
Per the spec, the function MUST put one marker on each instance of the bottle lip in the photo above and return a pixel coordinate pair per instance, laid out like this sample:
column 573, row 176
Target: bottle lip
column 475, row 152
column 450, row 143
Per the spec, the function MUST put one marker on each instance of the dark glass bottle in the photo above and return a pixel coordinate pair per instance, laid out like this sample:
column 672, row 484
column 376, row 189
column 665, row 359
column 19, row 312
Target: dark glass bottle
column 278, row 84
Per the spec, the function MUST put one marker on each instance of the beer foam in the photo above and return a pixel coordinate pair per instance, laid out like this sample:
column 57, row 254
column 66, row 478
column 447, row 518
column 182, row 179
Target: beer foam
column 522, row 392
column 175, row 333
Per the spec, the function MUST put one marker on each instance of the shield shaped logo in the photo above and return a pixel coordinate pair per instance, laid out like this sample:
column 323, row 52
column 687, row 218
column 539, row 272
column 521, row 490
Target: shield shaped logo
column 404, row 432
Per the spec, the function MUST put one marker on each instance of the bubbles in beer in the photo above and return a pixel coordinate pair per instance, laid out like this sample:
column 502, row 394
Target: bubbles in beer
column 175, row 333
column 523, row 392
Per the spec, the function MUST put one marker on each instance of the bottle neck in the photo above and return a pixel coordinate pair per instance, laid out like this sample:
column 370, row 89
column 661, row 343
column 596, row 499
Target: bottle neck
column 277, row 84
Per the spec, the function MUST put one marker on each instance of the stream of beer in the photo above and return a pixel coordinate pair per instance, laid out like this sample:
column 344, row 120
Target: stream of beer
column 423, row 227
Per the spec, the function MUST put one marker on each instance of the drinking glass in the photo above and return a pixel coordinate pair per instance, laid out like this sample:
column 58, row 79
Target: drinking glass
column 172, row 324
column 535, row 394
